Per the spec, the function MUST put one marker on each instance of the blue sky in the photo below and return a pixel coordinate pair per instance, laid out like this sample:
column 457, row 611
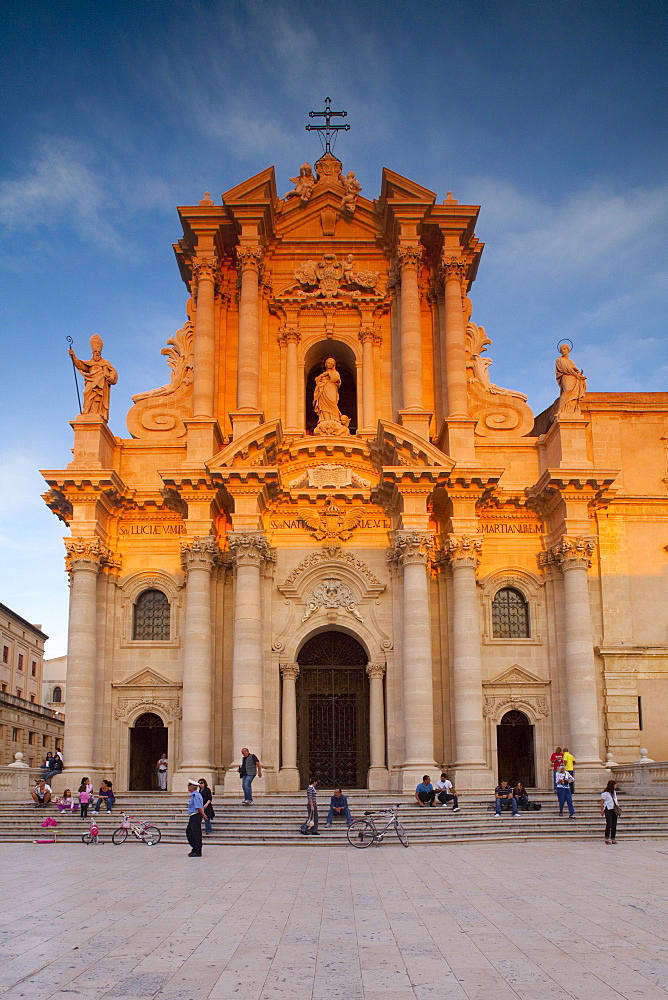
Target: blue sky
column 551, row 114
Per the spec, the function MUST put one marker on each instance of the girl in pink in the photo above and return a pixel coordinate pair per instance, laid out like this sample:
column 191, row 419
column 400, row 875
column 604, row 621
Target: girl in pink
column 85, row 795
column 67, row 803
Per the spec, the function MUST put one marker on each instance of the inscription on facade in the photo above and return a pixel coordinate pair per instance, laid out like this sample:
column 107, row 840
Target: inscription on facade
column 510, row 528
column 298, row 522
column 160, row 530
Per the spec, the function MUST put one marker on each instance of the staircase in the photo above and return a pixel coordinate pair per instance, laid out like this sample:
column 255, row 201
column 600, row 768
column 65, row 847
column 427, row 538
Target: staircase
column 274, row 820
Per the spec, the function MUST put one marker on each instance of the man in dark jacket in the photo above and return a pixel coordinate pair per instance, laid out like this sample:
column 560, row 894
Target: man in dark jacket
column 250, row 766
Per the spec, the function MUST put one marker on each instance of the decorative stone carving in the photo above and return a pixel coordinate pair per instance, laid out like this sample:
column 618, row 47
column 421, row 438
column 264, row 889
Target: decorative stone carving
column 332, row 278
column 328, row 474
column 164, row 410
column 98, row 375
column 572, row 383
column 331, row 422
column 411, row 547
column 331, row 594
column 57, row 502
column 249, row 258
column 375, row 670
column 337, row 556
column 250, row 548
column 204, row 269
column 289, row 670
column 570, row 553
column 410, row 256
column 304, row 184
column 454, row 267
column 89, row 552
column 200, row 553
column 351, row 191
column 463, row 550
column 332, row 524
column 496, row 409
column 128, row 706
column 495, row 705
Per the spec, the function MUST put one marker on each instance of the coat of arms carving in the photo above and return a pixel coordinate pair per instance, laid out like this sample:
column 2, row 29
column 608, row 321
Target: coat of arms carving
column 331, row 524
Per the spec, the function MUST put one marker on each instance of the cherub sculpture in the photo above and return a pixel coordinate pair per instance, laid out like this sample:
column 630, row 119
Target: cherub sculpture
column 304, row 184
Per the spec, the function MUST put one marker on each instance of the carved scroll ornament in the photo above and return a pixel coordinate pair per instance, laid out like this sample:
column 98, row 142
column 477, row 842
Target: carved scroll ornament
column 164, row 410
column 331, row 594
column 496, row 409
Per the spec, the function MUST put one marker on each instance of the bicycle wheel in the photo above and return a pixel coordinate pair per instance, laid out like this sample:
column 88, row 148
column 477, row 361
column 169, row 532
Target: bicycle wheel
column 151, row 835
column 119, row 836
column 401, row 833
column 86, row 838
column 361, row 833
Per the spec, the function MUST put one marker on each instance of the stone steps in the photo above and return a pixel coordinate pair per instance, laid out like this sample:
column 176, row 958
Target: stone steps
column 276, row 820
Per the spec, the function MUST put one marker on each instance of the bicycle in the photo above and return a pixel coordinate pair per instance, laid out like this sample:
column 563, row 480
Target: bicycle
column 147, row 833
column 92, row 835
column 363, row 832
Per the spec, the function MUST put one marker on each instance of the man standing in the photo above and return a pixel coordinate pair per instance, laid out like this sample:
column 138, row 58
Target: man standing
column 195, row 817
column 564, row 782
column 446, row 793
column 250, row 766
column 504, row 799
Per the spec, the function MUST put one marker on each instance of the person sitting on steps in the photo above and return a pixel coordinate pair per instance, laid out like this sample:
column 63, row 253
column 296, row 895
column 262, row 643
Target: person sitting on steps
column 504, row 799
column 338, row 806
column 424, row 793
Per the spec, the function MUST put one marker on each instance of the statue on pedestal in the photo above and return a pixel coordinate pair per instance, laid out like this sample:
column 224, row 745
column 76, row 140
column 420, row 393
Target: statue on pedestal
column 304, row 184
column 326, row 402
column 572, row 383
column 98, row 375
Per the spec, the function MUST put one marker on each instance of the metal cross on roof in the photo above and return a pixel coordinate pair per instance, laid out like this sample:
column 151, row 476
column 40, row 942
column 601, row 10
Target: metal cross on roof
column 328, row 129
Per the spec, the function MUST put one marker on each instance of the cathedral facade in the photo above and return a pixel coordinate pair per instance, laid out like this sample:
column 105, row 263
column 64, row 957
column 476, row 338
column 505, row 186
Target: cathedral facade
column 332, row 539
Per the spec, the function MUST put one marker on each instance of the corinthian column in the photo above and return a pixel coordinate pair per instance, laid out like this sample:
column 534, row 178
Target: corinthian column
column 378, row 773
column 368, row 338
column 250, row 550
column 409, row 259
column 84, row 559
column 248, row 372
column 574, row 557
column 204, row 279
column 411, row 551
column 454, row 273
column 197, row 559
column 470, row 760
column 289, row 776
column 291, row 339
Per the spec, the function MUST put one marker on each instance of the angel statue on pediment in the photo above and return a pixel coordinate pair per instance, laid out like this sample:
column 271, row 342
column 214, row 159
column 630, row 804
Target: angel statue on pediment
column 304, row 184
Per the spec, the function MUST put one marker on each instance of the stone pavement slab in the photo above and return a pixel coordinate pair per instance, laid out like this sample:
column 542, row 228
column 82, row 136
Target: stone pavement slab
column 487, row 921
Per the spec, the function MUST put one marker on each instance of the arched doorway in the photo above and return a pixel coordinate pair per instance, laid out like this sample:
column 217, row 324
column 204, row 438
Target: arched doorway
column 333, row 711
column 148, row 741
column 515, row 749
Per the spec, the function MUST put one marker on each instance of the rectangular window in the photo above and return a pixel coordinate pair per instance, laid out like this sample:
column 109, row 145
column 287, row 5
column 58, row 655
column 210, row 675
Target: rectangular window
column 33, row 668
column 15, row 735
column 31, row 738
column 5, row 654
column 32, row 698
column 20, row 661
column 639, row 713
column 4, row 689
column 19, row 693
column 45, row 741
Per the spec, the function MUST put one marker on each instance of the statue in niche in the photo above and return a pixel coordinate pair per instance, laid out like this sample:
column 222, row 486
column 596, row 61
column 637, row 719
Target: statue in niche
column 572, row 383
column 98, row 375
column 326, row 402
column 304, row 184
column 351, row 190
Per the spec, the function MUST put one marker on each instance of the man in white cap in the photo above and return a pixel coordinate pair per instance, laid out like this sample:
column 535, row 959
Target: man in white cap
column 195, row 817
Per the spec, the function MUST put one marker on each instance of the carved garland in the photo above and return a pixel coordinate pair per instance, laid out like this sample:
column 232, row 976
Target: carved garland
column 126, row 706
column 495, row 704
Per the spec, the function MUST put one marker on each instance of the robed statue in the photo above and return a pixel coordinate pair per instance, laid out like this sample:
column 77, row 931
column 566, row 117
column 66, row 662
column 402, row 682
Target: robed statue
column 98, row 375
column 326, row 402
column 572, row 383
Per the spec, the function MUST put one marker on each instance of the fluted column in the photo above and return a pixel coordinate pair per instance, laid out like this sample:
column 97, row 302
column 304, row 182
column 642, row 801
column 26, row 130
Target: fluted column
column 409, row 259
column 291, row 339
column 84, row 560
column 463, row 553
column 197, row 560
column 369, row 416
column 250, row 551
column 454, row 273
column 205, row 272
column 574, row 557
column 289, row 673
column 411, row 551
column 378, row 774
column 248, row 372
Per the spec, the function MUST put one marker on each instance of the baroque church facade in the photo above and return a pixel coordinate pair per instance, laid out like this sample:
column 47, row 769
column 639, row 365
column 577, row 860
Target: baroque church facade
column 331, row 539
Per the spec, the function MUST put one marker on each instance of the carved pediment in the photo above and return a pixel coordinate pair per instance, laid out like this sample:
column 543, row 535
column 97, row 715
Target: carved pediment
column 146, row 678
column 514, row 676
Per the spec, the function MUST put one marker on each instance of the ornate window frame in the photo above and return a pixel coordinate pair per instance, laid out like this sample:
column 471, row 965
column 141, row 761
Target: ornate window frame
column 131, row 588
column 530, row 587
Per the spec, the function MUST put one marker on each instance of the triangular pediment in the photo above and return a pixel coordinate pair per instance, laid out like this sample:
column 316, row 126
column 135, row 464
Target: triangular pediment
column 259, row 188
column 396, row 188
column 146, row 678
column 396, row 445
column 516, row 675
column 295, row 221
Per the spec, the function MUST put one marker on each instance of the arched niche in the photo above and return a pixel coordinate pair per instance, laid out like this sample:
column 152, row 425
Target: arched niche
column 346, row 364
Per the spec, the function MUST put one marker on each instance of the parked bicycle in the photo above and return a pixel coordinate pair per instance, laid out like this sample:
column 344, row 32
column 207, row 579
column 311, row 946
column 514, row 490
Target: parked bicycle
column 93, row 833
column 364, row 832
column 147, row 833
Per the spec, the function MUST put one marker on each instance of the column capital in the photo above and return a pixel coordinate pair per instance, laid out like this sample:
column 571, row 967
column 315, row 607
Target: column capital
column 369, row 336
column 463, row 550
column 570, row 553
column 409, row 257
column 289, row 336
column 200, row 553
column 375, row 671
column 454, row 268
column 249, row 258
column 411, row 547
column 289, row 670
column 250, row 548
column 204, row 269
column 89, row 553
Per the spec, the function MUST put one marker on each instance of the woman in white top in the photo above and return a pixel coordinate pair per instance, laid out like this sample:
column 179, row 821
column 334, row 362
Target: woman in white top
column 608, row 803
column 161, row 768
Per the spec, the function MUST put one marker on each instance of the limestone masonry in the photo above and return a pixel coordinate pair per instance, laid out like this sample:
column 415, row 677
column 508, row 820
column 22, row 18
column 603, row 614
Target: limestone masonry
column 332, row 539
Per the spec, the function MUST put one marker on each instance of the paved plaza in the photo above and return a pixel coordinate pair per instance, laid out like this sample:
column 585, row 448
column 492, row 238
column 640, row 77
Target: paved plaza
column 485, row 922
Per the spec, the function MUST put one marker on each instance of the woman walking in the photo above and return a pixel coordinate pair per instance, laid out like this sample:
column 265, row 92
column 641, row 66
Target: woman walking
column 611, row 810
column 209, row 813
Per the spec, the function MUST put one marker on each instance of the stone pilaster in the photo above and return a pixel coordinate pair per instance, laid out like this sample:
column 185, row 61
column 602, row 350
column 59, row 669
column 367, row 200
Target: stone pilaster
column 460, row 443
column 574, row 555
column 368, row 338
column 205, row 276
column 412, row 413
column 378, row 777
column 250, row 551
column 289, row 775
column 411, row 552
column 291, row 338
column 248, row 370
column 471, row 767
column 198, row 559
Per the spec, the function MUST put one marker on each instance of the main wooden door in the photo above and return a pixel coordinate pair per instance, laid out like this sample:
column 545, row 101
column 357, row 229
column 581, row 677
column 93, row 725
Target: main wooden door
column 148, row 742
column 333, row 712
column 515, row 749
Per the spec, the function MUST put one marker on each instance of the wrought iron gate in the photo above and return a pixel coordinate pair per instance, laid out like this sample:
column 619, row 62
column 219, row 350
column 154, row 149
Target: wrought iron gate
column 333, row 712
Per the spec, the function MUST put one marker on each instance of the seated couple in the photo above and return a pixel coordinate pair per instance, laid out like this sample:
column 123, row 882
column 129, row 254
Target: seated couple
column 426, row 793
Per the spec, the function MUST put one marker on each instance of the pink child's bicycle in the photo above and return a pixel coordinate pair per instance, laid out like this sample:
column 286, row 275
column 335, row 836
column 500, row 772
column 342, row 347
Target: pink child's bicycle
column 147, row 833
column 92, row 837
